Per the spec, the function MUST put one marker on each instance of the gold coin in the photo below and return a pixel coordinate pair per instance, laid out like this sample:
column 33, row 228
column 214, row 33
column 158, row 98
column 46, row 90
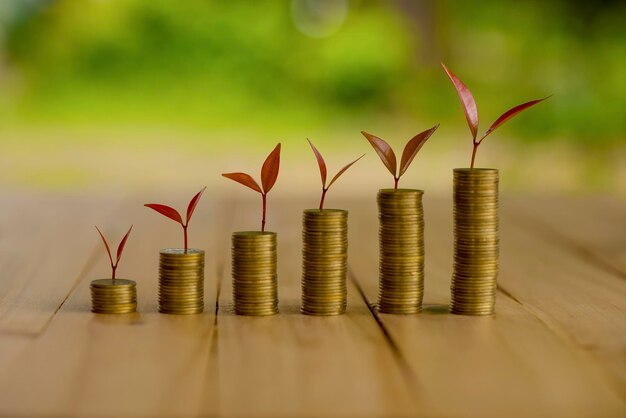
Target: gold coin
column 324, row 261
column 110, row 296
column 254, row 273
column 401, row 251
column 476, row 241
column 181, row 281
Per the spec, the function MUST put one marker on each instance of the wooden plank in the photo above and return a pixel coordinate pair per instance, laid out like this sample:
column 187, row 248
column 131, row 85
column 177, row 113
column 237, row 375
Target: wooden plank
column 296, row 365
column 45, row 243
column 546, row 353
column 508, row 365
column 145, row 364
column 592, row 227
column 570, row 294
column 11, row 347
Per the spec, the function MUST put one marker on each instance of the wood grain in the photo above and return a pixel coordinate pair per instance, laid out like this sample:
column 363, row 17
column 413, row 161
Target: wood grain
column 461, row 362
column 555, row 348
column 45, row 245
column 572, row 295
column 296, row 365
column 592, row 229
column 144, row 364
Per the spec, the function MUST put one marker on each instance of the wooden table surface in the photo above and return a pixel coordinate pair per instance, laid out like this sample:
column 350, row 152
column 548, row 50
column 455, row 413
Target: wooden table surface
column 555, row 348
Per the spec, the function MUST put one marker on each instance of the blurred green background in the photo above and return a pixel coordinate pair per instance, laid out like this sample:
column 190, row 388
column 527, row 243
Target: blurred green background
column 150, row 93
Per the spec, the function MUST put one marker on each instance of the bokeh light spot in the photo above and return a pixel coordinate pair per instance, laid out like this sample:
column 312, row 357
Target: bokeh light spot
column 319, row 18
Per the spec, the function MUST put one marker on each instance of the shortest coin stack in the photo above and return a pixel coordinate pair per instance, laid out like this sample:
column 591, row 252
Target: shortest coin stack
column 324, row 261
column 181, row 281
column 110, row 296
column 476, row 242
column 255, row 281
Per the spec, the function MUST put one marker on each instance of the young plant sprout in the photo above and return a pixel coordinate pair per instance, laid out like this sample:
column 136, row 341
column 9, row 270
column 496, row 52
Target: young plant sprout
column 388, row 157
column 471, row 112
column 120, row 250
column 322, row 165
column 269, row 174
column 174, row 215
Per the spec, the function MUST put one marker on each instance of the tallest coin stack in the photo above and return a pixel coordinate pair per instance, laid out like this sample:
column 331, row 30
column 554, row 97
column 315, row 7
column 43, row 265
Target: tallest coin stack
column 476, row 241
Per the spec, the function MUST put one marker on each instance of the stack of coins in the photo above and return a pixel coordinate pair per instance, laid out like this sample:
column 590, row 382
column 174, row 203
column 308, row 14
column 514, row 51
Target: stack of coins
column 181, row 281
column 476, row 241
column 110, row 296
column 401, row 240
column 324, row 261
column 255, row 284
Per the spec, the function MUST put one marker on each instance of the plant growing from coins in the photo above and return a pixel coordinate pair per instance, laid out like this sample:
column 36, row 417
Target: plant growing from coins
column 269, row 174
column 120, row 250
column 471, row 111
column 323, row 172
column 388, row 157
column 174, row 215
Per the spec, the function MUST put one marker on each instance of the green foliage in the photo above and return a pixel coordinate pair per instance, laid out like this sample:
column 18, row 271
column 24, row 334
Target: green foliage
column 215, row 63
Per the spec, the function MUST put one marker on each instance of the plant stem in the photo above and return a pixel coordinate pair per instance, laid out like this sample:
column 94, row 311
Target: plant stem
column 324, row 190
column 264, row 211
column 114, row 267
column 185, row 234
column 474, row 154
column 395, row 182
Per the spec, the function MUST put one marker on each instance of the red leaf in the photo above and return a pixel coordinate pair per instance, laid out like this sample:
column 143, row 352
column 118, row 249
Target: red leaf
column 269, row 172
column 343, row 170
column 106, row 244
column 166, row 211
column 320, row 162
column 245, row 179
column 467, row 100
column 193, row 203
column 413, row 146
column 510, row 113
column 120, row 248
column 384, row 151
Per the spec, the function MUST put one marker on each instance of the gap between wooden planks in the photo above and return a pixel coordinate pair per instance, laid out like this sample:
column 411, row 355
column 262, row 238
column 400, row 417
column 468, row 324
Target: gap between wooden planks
column 145, row 364
column 186, row 366
column 38, row 274
column 45, row 244
column 509, row 365
column 173, row 366
column 585, row 296
column 296, row 365
column 593, row 228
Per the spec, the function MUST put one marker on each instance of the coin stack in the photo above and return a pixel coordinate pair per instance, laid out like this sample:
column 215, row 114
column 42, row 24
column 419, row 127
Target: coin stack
column 181, row 281
column 401, row 241
column 255, row 284
column 110, row 296
column 475, row 241
column 324, row 261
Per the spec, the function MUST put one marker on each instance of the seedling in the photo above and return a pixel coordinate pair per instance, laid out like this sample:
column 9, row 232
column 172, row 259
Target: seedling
column 471, row 112
column 120, row 250
column 174, row 215
column 322, row 165
column 388, row 157
column 269, row 174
